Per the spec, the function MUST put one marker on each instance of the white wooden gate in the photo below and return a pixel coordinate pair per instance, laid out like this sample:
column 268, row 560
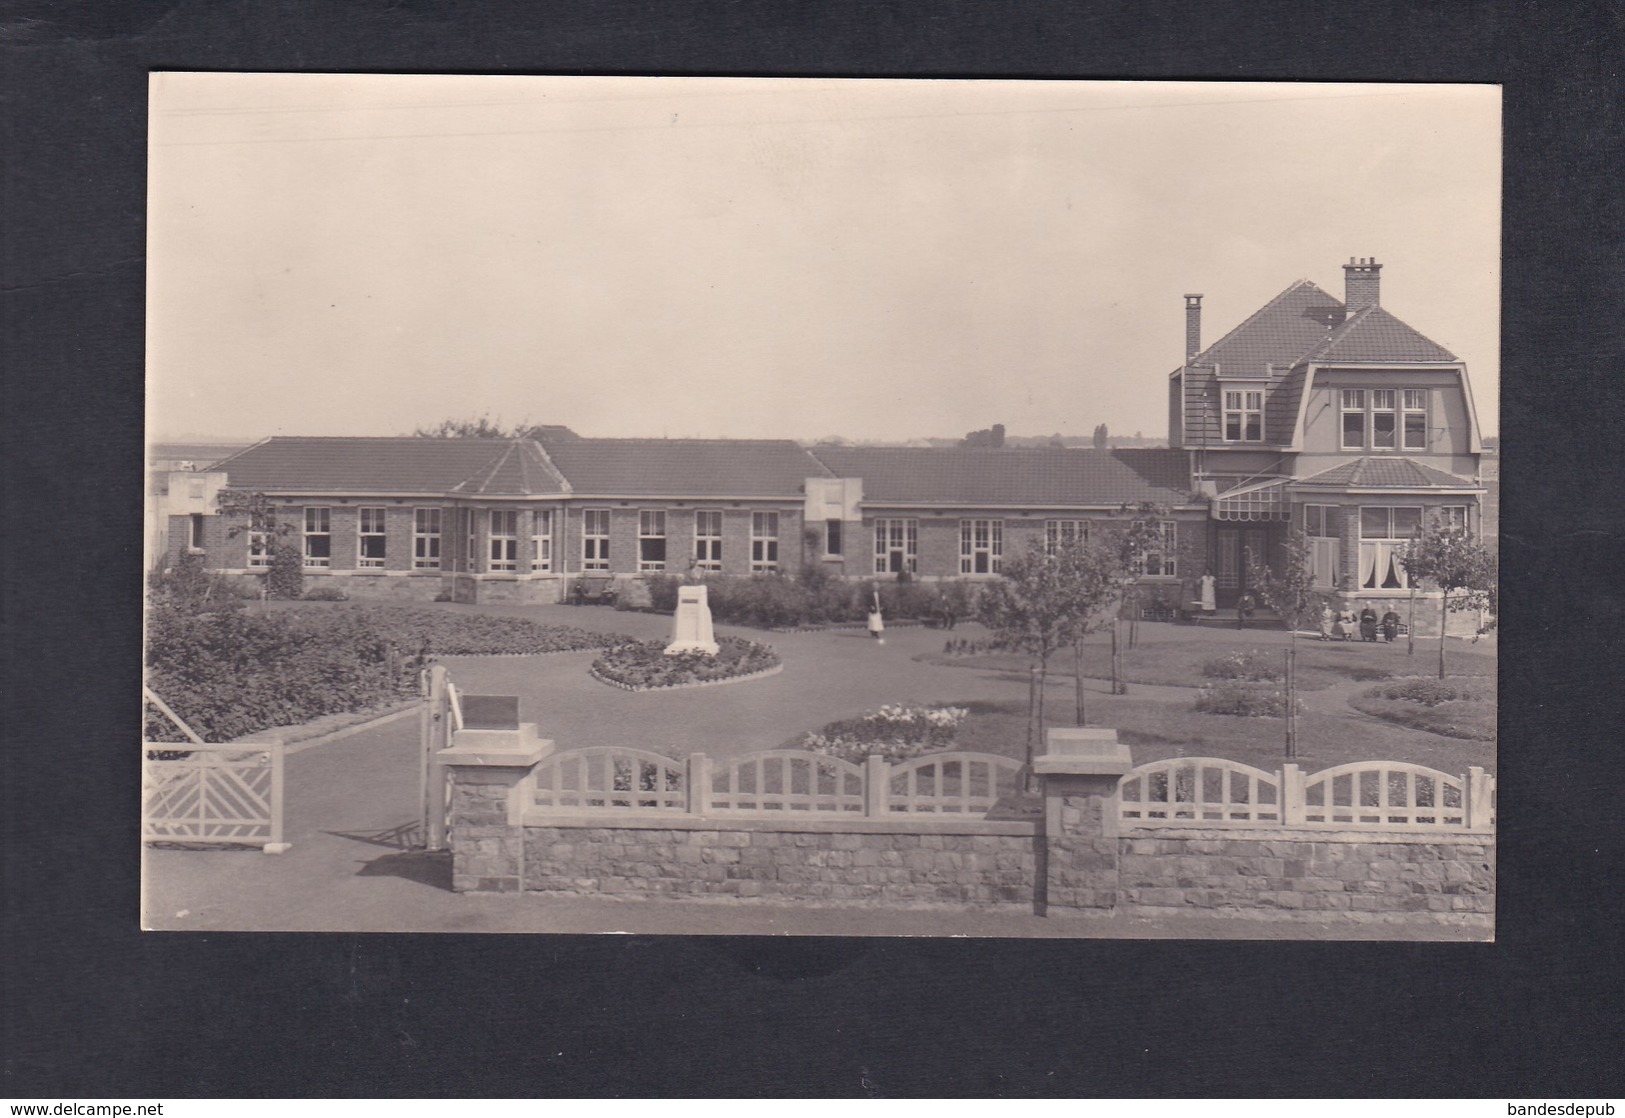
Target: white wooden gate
column 193, row 791
column 442, row 716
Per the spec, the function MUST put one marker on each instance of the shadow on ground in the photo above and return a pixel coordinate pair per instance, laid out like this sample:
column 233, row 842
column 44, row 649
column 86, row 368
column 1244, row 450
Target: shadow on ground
column 423, row 867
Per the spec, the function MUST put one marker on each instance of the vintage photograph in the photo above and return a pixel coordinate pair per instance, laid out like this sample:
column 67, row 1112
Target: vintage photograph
column 768, row 506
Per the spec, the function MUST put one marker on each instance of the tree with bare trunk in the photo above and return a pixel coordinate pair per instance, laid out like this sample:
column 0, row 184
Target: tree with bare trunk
column 1462, row 568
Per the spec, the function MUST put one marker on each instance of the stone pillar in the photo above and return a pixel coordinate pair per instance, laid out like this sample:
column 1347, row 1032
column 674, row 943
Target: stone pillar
column 1078, row 777
column 490, row 773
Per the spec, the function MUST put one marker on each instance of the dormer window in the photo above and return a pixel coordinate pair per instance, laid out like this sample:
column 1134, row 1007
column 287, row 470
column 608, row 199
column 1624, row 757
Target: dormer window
column 1243, row 416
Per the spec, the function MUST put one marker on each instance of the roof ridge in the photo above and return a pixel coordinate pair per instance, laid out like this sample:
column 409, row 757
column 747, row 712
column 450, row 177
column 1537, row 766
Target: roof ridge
column 1290, row 288
column 488, row 469
column 552, row 467
column 231, row 457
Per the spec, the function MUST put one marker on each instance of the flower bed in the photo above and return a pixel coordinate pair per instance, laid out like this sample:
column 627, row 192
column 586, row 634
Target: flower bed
column 443, row 633
column 1242, row 698
column 645, row 666
column 894, row 732
column 1448, row 708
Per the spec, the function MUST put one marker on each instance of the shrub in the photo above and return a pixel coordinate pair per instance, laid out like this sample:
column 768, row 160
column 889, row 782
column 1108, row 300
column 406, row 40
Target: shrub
column 895, row 732
column 285, row 577
column 663, row 593
column 645, row 664
column 1428, row 692
column 1248, row 664
column 1243, row 698
column 327, row 593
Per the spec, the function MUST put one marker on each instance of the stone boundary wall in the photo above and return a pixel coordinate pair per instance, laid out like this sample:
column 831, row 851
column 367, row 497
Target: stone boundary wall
column 1363, row 875
column 881, row 863
column 1077, row 856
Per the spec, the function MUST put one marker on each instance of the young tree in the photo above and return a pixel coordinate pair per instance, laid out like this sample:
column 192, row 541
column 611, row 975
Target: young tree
column 1044, row 602
column 255, row 512
column 481, row 427
column 1458, row 565
column 1291, row 592
column 1102, row 439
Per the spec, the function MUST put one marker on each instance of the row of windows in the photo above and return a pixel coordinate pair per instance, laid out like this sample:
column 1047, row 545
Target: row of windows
column 981, row 545
column 896, row 541
column 1385, row 418
column 1372, row 418
column 504, row 533
column 1385, row 530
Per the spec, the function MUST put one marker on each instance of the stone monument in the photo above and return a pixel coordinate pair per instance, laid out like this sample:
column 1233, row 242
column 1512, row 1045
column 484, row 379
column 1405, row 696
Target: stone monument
column 691, row 628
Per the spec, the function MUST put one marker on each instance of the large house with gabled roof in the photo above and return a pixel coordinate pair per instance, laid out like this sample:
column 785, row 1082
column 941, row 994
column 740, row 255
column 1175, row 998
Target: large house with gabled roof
column 1327, row 415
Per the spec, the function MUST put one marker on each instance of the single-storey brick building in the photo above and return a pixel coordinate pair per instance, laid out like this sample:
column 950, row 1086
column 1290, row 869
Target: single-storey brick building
column 1331, row 416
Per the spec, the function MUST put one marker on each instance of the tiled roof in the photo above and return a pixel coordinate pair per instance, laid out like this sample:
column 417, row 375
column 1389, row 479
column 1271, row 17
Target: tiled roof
column 1012, row 476
column 683, row 467
column 1272, row 339
column 1375, row 335
column 1387, row 473
column 491, row 467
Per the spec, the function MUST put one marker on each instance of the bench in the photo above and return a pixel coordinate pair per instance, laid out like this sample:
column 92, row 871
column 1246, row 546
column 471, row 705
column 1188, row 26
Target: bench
column 598, row 591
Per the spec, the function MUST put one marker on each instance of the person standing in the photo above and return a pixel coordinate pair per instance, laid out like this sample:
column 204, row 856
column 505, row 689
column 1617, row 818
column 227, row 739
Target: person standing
column 1209, row 598
column 877, row 623
column 1244, row 608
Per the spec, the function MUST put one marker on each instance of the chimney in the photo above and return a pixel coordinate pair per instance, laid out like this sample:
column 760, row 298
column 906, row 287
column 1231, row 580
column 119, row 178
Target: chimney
column 1193, row 326
column 1362, row 284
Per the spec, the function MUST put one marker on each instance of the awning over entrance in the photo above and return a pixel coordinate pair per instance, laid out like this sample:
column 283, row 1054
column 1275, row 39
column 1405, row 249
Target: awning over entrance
column 1258, row 500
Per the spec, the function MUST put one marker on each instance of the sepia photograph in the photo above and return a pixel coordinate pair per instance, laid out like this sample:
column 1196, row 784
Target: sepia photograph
column 821, row 507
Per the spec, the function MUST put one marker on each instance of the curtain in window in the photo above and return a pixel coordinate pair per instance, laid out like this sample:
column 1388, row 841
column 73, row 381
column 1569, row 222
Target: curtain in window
column 1368, row 563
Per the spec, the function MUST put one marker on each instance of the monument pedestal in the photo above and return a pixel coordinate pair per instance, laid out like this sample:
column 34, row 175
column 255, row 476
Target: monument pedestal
column 691, row 629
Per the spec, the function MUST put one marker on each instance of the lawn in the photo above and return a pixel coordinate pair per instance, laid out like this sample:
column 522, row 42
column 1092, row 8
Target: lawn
column 1178, row 663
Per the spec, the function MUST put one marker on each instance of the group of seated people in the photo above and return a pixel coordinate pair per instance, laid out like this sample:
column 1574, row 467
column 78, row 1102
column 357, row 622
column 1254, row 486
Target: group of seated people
column 1342, row 625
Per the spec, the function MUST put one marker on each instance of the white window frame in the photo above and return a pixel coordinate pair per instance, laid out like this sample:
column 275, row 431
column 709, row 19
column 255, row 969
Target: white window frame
column 764, row 542
column 1380, row 555
column 318, row 526
column 708, row 539
column 1063, row 533
column 651, row 528
column 1321, row 526
column 900, row 535
column 1246, row 407
column 595, row 539
column 1454, row 517
column 259, row 550
column 1410, row 410
column 502, row 541
column 1384, row 404
column 541, row 540
column 370, row 524
column 1163, row 561
column 426, row 539
column 1353, row 402
column 981, row 544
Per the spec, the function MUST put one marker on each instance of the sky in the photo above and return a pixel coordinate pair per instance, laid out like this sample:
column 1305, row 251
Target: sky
column 777, row 258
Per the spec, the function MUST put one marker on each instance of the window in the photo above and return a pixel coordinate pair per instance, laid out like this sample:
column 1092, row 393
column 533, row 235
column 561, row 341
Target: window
column 369, row 540
column 426, row 539
column 897, row 546
column 1384, row 533
column 318, row 537
column 541, row 540
column 708, row 540
column 1383, row 422
column 981, row 546
column 652, row 540
column 764, row 541
column 1354, row 419
column 1160, row 559
column 1064, row 533
column 259, row 549
column 1416, row 418
column 1320, row 524
column 1243, row 416
column 504, row 540
column 832, row 537
column 1453, row 518
column 194, row 532
column 194, row 488
column 595, row 539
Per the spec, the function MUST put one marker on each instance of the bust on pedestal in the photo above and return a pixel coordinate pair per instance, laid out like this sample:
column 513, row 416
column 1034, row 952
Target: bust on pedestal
column 691, row 628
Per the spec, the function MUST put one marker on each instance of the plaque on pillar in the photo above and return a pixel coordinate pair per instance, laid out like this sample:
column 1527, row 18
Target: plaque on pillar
column 691, row 628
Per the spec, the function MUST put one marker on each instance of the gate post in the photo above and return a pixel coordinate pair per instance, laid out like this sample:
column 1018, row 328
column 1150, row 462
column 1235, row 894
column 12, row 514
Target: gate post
column 490, row 774
column 1079, row 776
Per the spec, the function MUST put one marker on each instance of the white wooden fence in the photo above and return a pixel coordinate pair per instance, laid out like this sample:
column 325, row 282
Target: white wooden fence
column 1366, row 795
column 773, row 782
column 194, row 791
